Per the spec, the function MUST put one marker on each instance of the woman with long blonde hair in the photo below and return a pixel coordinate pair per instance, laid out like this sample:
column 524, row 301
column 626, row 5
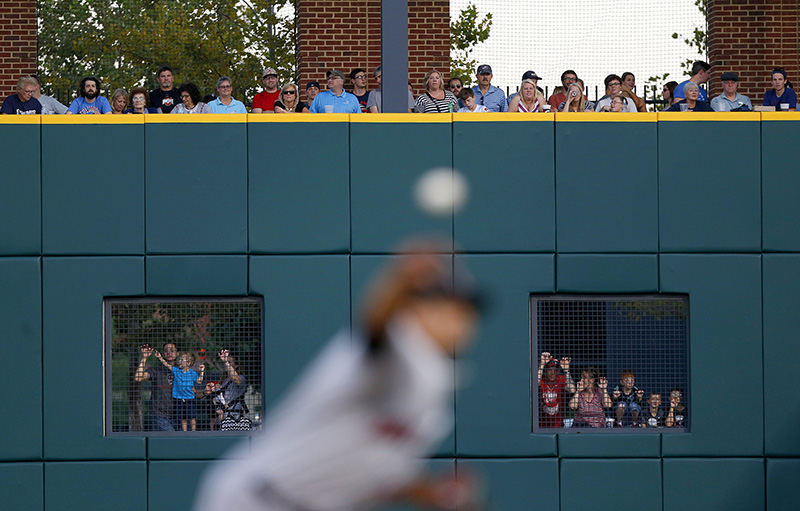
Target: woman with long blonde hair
column 529, row 98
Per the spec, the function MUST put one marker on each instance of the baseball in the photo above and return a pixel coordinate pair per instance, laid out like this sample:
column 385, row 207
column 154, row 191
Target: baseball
column 441, row 191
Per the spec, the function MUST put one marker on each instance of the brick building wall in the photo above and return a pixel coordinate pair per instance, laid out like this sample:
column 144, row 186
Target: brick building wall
column 752, row 37
column 17, row 42
column 346, row 34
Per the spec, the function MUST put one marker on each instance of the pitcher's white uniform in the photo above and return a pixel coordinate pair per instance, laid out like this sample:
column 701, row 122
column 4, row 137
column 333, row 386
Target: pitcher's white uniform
column 355, row 428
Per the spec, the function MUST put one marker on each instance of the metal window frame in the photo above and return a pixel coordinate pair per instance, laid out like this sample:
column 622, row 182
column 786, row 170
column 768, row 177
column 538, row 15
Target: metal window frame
column 605, row 297
column 107, row 377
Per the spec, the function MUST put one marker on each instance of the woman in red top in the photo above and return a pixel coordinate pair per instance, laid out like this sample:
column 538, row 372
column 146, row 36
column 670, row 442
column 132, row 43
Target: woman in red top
column 590, row 401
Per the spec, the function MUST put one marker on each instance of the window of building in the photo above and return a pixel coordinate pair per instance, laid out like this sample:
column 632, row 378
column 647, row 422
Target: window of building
column 183, row 365
column 612, row 362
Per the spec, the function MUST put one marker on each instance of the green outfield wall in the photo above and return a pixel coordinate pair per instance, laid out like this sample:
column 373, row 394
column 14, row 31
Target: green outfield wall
column 300, row 209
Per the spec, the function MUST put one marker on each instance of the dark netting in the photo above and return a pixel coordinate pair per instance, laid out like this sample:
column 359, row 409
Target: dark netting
column 610, row 362
column 183, row 365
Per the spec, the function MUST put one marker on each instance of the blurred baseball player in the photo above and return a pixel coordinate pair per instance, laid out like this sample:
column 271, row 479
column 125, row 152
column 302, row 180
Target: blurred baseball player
column 353, row 433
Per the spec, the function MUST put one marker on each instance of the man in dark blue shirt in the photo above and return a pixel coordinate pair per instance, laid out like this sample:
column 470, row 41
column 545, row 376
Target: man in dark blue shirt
column 23, row 102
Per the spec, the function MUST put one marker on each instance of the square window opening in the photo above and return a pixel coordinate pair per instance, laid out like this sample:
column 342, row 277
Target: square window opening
column 183, row 365
column 613, row 363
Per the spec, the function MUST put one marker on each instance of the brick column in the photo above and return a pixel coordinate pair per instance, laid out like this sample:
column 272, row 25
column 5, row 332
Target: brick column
column 17, row 42
column 345, row 34
column 752, row 37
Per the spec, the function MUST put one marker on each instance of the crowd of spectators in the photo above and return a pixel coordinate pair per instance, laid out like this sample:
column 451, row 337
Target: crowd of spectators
column 439, row 95
column 588, row 403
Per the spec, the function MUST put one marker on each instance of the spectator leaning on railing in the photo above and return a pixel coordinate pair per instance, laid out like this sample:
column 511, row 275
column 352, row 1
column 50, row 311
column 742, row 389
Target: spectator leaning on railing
column 730, row 100
column 22, row 102
column 781, row 96
column 89, row 100
column 628, row 85
column 692, row 103
column 166, row 96
column 613, row 85
column 487, row 94
column 119, row 101
column 50, row 105
column 568, row 77
column 436, row 98
column 225, row 104
column 335, row 99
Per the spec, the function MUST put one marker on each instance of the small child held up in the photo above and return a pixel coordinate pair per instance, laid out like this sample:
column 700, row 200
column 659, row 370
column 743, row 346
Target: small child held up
column 184, row 379
column 468, row 97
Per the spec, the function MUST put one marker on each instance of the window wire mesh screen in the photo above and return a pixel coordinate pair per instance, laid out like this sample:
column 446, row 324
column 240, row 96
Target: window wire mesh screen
column 183, row 365
column 592, row 37
column 610, row 362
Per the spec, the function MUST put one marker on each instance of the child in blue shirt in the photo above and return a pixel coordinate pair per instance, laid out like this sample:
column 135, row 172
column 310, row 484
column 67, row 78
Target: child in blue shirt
column 184, row 379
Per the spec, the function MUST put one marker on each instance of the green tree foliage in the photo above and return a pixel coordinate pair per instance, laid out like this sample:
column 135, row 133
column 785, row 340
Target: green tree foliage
column 124, row 42
column 467, row 31
column 697, row 41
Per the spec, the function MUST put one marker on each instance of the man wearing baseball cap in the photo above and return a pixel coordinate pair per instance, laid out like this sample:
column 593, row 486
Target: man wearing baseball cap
column 312, row 89
column 335, row 99
column 487, row 94
column 730, row 100
column 264, row 102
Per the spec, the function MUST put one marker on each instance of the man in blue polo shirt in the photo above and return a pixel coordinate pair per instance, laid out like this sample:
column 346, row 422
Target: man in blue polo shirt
column 780, row 96
column 487, row 94
column 22, row 102
column 225, row 104
column 335, row 100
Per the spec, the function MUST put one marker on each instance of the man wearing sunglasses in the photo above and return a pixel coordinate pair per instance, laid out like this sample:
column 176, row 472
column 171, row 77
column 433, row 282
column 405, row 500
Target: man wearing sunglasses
column 23, row 101
column 335, row 99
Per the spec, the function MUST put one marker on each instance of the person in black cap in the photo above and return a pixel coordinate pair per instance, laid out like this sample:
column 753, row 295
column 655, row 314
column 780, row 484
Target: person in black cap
column 487, row 94
column 354, row 432
column 312, row 89
column 781, row 96
column 527, row 75
column 730, row 100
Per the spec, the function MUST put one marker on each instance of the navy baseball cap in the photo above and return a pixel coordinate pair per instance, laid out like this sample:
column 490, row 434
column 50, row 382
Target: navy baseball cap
column 312, row 84
column 730, row 75
column 484, row 69
column 531, row 75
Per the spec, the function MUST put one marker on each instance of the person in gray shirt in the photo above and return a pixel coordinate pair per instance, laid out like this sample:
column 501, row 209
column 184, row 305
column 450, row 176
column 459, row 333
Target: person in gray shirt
column 50, row 105
column 730, row 100
column 374, row 100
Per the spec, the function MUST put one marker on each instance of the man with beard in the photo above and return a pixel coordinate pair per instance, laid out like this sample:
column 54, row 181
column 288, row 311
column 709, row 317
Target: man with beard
column 89, row 100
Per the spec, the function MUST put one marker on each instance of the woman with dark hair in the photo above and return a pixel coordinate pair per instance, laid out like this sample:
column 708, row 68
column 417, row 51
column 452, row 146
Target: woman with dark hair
column 190, row 101
column 590, row 401
column 289, row 101
column 781, row 95
column 140, row 102
column 667, row 93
